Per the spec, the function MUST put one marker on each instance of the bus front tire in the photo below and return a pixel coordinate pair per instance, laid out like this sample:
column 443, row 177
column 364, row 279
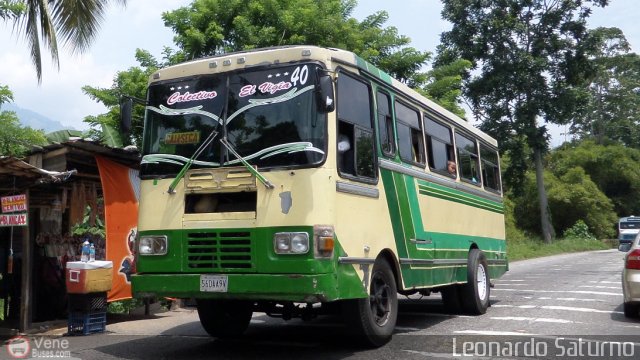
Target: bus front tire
column 474, row 295
column 224, row 318
column 373, row 319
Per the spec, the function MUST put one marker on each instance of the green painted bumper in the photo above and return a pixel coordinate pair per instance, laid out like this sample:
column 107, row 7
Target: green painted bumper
column 280, row 287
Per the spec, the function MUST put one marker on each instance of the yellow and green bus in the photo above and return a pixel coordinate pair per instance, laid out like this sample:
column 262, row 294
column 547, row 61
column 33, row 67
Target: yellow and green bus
column 294, row 180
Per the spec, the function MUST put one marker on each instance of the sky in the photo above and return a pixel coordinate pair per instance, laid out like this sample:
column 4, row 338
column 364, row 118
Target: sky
column 139, row 25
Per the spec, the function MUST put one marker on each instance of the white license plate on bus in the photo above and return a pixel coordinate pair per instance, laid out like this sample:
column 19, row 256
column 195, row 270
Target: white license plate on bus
column 214, row 283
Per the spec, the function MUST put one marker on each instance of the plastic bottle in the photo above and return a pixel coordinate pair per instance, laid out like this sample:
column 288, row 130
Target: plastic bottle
column 92, row 253
column 84, row 256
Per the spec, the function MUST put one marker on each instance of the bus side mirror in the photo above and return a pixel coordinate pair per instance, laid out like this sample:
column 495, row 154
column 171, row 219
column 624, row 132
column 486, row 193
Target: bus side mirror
column 126, row 106
column 324, row 91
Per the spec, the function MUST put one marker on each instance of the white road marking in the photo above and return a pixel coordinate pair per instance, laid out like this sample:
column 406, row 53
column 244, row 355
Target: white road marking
column 564, row 291
column 491, row 332
column 554, row 307
column 600, row 287
column 578, row 299
column 532, row 319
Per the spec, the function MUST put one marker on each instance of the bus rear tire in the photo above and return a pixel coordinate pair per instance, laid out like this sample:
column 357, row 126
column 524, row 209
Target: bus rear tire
column 474, row 295
column 224, row 318
column 373, row 319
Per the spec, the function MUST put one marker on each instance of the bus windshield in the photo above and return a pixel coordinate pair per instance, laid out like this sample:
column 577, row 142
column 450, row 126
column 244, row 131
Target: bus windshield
column 629, row 225
column 268, row 115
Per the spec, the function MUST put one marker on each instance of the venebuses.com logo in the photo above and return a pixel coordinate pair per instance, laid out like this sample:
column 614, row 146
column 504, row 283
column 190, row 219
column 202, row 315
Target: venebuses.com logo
column 21, row 347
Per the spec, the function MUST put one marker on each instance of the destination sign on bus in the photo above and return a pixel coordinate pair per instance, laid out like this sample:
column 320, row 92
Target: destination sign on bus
column 181, row 138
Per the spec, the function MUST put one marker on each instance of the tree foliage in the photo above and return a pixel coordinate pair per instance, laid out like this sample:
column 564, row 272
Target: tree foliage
column 131, row 82
column 573, row 196
column 15, row 140
column 530, row 66
column 614, row 168
column 613, row 110
column 42, row 22
column 212, row 27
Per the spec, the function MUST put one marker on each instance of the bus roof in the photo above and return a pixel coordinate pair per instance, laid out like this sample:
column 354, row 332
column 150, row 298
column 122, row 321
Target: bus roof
column 330, row 56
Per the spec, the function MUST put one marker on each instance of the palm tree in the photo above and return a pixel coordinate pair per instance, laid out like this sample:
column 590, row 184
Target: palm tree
column 76, row 22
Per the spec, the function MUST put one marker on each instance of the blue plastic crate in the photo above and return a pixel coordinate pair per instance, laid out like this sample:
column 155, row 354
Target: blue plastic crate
column 85, row 323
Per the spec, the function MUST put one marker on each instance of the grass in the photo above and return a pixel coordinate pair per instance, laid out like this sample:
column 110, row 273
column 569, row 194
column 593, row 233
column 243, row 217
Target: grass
column 520, row 248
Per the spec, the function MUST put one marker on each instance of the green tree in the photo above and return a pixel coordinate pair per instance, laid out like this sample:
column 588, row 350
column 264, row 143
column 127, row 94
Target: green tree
column 208, row 28
column 444, row 85
column 42, row 21
column 572, row 197
column 614, row 168
column 530, row 68
column 10, row 9
column 131, row 82
column 212, row 27
column 613, row 111
column 15, row 140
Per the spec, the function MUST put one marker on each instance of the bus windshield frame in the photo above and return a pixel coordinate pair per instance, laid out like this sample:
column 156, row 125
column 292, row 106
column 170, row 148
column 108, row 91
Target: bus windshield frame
column 268, row 114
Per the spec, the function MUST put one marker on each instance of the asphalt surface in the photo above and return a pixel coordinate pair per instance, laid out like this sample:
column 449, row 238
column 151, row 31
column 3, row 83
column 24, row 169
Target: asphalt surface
column 565, row 306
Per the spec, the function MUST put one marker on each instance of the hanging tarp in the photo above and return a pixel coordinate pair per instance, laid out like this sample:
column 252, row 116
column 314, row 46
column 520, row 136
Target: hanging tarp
column 120, row 186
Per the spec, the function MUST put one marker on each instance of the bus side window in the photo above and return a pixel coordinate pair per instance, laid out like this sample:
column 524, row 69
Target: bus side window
column 355, row 127
column 385, row 124
column 410, row 144
column 490, row 168
column 468, row 159
column 440, row 148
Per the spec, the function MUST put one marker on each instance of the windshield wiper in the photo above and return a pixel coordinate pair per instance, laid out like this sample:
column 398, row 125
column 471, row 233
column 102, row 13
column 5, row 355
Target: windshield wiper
column 187, row 165
column 244, row 162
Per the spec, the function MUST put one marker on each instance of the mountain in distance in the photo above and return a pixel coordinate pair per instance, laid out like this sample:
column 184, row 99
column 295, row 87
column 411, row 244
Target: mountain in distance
column 34, row 120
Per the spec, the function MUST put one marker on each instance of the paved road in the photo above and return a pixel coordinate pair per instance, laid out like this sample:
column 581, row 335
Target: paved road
column 549, row 304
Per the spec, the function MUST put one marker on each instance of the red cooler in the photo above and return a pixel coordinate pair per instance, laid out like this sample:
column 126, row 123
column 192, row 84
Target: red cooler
column 89, row 277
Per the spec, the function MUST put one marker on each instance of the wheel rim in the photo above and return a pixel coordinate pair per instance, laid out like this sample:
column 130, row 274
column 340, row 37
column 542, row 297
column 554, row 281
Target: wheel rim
column 482, row 282
column 379, row 300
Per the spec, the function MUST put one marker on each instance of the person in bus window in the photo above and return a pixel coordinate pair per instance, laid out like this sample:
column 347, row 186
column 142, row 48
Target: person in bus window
column 451, row 168
column 345, row 155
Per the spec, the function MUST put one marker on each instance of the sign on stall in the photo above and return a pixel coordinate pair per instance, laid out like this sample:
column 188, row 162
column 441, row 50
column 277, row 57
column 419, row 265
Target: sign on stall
column 13, row 220
column 14, row 203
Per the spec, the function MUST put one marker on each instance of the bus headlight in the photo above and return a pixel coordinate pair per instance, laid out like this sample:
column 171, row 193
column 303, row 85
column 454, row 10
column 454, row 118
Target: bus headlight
column 153, row 245
column 291, row 243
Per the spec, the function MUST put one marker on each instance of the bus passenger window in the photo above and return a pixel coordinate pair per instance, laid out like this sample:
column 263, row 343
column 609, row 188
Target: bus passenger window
column 355, row 127
column 385, row 124
column 440, row 148
column 468, row 159
column 410, row 143
column 490, row 168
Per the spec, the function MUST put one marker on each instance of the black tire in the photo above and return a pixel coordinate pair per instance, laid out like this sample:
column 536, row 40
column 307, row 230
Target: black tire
column 631, row 310
column 474, row 295
column 224, row 318
column 372, row 320
column 451, row 299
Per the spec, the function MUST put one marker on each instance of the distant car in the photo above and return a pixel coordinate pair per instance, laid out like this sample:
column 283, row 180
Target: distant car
column 631, row 280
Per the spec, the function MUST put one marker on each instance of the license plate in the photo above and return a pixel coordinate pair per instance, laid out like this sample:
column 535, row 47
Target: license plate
column 213, row 283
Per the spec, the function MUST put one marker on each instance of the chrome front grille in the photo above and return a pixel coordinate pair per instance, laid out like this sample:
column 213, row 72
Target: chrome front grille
column 220, row 251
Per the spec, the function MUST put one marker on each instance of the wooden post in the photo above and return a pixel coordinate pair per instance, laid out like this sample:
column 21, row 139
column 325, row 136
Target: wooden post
column 26, row 284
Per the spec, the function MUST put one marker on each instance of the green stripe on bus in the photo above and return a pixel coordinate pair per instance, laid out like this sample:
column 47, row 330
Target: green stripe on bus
column 363, row 64
column 446, row 193
column 394, row 211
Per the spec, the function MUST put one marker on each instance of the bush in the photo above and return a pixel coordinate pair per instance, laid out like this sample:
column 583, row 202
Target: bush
column 579, row 230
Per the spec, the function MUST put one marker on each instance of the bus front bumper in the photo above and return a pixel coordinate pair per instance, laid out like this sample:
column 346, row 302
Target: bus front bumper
column 275, row 287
